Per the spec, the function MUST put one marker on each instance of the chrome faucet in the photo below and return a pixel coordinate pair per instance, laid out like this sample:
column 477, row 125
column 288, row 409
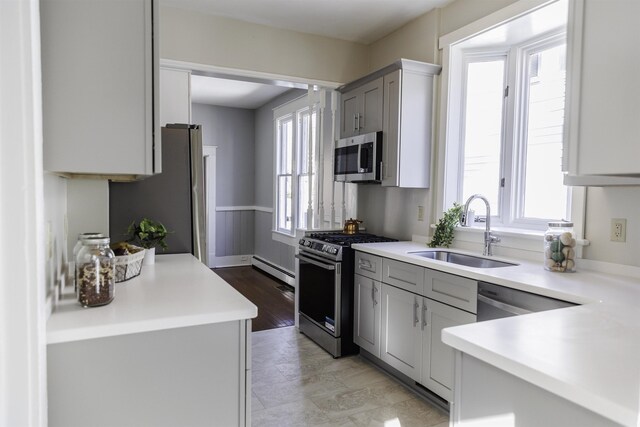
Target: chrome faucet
column 488, row 237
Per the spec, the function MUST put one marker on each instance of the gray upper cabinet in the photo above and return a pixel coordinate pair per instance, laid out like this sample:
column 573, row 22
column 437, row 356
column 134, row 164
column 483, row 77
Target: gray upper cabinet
column 407, row 125
column 361, row 110
column 100, row 68
column 602, row 143
column 397, row 100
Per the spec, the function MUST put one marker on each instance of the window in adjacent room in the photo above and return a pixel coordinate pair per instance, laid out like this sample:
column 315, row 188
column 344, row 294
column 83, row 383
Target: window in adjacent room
column 296, row 152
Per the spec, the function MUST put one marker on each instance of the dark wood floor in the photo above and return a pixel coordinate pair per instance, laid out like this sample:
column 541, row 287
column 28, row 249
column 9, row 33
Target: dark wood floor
column 274, row 299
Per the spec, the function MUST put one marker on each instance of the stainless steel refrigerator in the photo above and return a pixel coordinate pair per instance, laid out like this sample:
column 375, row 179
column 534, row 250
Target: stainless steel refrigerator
column 176, row 197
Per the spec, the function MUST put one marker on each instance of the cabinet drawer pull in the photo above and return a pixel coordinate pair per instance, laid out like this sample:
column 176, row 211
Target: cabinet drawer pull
column 425, row 313
column 375, row 300
column 365, row 265
column 415, row 312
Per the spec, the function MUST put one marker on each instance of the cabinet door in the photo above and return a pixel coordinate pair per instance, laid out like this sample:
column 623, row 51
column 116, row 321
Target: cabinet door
column 401, row 337
column 391, row 128
column 175, row 96
column 406, row 127
column 349, row 113
column 100, row 87
column 367, row 314
column 605, row 131
column 437, row 359
column 371, row 95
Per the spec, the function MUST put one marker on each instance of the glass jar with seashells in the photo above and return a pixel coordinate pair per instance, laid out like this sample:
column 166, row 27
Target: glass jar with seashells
column 559, row 247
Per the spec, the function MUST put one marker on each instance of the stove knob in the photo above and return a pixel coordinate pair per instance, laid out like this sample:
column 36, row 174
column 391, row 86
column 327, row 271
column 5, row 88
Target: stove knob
column 301, row 242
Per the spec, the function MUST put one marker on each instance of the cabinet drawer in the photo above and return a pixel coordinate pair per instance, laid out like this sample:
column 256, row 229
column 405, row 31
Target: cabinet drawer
column 368, row 265
column 405, row 276
column 453, row 290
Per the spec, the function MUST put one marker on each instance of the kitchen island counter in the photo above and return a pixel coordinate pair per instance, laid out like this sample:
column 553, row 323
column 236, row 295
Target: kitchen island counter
column 587, row 354
column 177, row 291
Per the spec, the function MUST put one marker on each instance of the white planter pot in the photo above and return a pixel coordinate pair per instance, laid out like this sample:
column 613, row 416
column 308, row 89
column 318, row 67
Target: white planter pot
column 149, row 256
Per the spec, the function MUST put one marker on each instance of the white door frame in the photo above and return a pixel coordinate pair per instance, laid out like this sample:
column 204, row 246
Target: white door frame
column 23, row 375
column 210, row 152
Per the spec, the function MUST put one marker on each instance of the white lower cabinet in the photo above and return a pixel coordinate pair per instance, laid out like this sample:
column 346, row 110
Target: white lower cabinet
column 401, row 335
column 437, row 357
column 366, row 323
column 404, row 328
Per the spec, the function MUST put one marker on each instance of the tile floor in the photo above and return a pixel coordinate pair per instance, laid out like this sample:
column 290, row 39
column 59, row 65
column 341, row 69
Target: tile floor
column 296, row 383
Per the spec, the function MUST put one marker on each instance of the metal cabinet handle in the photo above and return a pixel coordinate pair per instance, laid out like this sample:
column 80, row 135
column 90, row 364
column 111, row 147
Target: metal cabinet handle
column 359, row 124
column 425, row 312
column 381, row 171
column 415, row 312
column 355, row 122
column 375, row 291
column 363, row 263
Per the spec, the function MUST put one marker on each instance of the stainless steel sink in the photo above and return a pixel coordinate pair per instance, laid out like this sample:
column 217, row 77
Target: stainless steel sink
column 462, row 259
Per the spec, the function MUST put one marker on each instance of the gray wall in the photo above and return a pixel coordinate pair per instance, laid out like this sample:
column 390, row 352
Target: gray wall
column 232, row 131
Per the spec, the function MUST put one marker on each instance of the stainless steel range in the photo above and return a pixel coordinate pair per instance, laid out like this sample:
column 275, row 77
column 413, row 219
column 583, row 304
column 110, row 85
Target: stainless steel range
column 325, row 288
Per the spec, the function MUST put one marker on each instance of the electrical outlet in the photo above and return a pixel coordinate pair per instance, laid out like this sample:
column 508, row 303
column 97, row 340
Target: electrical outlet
column 244, row 258
column 618, row 230
column 420, row 213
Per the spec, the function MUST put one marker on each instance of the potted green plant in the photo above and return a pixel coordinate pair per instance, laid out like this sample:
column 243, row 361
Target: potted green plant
column 148, row 234
column 443, row 234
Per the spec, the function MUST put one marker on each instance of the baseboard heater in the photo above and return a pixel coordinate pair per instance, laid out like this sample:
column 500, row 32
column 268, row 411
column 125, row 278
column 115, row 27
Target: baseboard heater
column 278, row 272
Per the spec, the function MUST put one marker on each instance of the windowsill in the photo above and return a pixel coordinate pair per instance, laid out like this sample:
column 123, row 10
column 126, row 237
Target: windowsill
column 519, row 233
column 285, row 238
column 514, row 243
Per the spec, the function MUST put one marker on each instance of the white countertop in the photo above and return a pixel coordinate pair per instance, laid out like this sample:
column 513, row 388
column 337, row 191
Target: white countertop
column 588, row 354
column 176, row 291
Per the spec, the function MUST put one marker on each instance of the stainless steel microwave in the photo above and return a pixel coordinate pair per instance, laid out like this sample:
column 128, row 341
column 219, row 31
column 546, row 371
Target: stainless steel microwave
column 358, row 158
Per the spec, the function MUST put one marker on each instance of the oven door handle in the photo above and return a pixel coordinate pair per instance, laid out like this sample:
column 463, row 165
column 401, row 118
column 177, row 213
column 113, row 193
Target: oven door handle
column 316, row 263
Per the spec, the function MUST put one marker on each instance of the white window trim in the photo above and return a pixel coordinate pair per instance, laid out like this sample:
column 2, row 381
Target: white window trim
column 446, row 130
column 291, row 108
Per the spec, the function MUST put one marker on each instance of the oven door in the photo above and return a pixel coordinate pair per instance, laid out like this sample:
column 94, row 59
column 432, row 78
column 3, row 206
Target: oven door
column 319, row 291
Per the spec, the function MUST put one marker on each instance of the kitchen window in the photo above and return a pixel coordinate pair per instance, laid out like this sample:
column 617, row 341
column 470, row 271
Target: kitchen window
column 295, row 166
column 505, row 117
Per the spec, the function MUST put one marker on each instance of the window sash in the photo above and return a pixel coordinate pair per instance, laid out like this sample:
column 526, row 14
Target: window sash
column 518, row 216
column 509, row 209
column 471, row 58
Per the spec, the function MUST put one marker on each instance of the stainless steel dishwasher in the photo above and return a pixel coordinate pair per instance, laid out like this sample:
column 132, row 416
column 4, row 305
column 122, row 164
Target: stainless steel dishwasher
column 496, row 302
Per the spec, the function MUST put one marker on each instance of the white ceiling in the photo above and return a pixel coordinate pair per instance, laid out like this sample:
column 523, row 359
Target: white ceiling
column 362, row 21
column 232, row 93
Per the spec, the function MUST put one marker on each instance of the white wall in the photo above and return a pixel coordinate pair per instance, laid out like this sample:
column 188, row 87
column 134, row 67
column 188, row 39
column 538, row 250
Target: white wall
column 23, row 398
column 192, row 37
column 603, row 204
column 87, row 209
